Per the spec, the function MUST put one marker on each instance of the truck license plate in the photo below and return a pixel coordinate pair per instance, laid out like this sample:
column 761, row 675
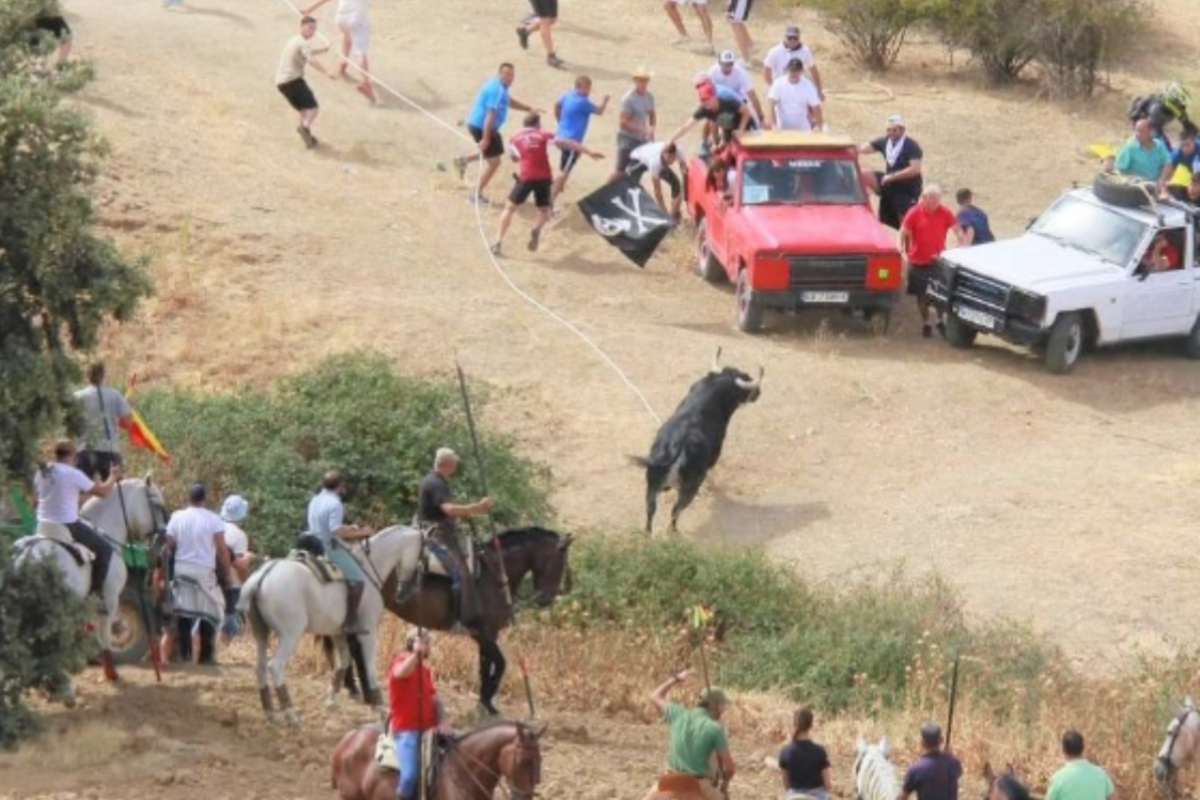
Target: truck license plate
column 825, row 297
column 979, row 318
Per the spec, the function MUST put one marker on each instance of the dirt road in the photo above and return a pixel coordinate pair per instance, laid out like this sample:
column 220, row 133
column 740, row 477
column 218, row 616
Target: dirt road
column 1065, row 501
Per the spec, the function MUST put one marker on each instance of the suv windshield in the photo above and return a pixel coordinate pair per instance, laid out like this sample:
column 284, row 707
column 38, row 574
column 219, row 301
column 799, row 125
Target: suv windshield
column 1096, row 229
column 801, row 181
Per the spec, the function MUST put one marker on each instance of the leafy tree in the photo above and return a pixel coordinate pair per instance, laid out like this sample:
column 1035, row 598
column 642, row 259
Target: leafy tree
column 59, row 282
column 872, row 30
column 998, row 33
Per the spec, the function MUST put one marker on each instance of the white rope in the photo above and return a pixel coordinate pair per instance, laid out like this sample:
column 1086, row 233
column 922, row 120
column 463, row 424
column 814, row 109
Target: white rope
column 570, row 326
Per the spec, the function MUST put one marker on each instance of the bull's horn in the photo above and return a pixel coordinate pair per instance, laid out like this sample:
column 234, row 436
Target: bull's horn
column 750, row 386
column 716, row 367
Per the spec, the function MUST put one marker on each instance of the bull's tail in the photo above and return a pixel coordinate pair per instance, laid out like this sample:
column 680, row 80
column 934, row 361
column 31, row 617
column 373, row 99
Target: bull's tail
column 639, row 461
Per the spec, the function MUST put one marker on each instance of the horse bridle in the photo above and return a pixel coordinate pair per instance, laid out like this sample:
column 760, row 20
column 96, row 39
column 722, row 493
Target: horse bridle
column 513, row 793
column 1165, row 757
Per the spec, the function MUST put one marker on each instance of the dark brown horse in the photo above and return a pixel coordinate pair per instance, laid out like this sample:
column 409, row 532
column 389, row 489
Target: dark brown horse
column 471, row 769
column 538, row 552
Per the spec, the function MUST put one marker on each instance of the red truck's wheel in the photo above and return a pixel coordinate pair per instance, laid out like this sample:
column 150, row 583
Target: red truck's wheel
column 749, row 313
column 707, row 265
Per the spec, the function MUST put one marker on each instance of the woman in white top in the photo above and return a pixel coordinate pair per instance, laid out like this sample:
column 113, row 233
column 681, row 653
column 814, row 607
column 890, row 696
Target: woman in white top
column 60, row 486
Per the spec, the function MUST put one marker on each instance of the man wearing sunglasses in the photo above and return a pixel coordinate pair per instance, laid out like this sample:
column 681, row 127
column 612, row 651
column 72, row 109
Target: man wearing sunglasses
column 775, row 64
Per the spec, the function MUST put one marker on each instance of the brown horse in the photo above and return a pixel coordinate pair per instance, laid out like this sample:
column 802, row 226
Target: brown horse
column 525, row 551
column 471, row 768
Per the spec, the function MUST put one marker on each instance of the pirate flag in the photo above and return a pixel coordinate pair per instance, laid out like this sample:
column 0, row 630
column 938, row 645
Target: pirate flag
column 628, row 217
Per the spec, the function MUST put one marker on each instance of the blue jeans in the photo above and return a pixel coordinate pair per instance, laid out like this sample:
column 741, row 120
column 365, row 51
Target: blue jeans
column 408, row 756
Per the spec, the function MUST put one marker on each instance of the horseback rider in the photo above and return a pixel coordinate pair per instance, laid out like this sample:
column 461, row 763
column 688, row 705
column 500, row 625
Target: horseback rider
column 326, row 515
column 103, row 409
column 59, row 488
column 195, row 539
column 696, row 737
column 415, row 708
column 439, row 515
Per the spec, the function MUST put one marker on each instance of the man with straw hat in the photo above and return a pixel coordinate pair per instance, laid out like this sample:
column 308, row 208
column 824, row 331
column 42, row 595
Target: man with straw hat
column 696, row 740
column 638, row 120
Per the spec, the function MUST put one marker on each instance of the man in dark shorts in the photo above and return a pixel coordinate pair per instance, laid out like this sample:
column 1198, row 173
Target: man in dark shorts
column 934, row 776
column 57, row 27
column 922, row 240
column 899, row 185
column 545, row 14
column 659, row 160
column 289, row 78
column 530, row 148
column 484, row 123
column 638, row 120
column 738, row 13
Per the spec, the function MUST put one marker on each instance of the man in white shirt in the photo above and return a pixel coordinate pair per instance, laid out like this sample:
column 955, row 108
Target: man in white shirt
column 732, row 75
column 103, row 410
column 297, row 54
column 701, row 9
column 326, row 521
column 793, row 101
column 196, row 541
column 657, row 160
column 355, row 25
column 778, row 57
column 234, row 510
column 60, row 487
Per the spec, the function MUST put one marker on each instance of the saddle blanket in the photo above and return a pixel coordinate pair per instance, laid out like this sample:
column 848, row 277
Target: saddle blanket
column 324, row 570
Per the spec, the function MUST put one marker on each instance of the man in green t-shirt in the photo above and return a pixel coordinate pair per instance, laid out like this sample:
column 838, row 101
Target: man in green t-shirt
column 696, row 740
column 1079, row 779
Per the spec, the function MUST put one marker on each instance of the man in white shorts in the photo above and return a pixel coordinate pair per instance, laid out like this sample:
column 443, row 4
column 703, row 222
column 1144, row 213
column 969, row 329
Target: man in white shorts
column 730, row 74
column 738, row 14
column 352, row 19
column 793, row 101
column 775, row 63
column 701, row 9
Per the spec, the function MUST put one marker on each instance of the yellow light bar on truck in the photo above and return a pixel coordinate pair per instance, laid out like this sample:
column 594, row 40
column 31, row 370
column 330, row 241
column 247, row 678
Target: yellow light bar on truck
column 781, row 140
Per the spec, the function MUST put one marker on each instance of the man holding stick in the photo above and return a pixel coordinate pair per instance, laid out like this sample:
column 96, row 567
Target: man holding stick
column 696, row 736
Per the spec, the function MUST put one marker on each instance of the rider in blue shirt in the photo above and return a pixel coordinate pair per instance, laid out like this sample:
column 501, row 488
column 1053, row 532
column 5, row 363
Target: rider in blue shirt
column 326, row 521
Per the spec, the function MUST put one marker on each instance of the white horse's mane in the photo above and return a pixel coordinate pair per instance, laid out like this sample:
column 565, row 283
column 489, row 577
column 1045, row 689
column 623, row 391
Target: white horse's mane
column 875, row 776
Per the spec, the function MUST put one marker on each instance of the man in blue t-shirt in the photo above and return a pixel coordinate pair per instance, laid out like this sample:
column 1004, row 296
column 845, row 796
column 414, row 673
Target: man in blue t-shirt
column 933, row 776
column 573, row 111
column 973, row 224
column 484, row 123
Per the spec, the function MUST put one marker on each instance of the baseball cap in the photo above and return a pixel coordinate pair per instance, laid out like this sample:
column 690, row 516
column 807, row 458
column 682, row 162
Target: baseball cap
column 642, row 72
column 728, row 57
column 792, row 30
column 895, row 120
column 795, row 64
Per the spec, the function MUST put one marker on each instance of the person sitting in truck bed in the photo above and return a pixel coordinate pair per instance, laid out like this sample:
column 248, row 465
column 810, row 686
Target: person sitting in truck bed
column 1145, row 157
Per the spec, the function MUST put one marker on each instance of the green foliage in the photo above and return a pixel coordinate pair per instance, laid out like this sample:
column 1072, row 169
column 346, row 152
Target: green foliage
column 351, row 412
column 997, row 33
column 849, row 647
column 42, row 641
column 872, row 30
column 58, row 281
column 1075, row 39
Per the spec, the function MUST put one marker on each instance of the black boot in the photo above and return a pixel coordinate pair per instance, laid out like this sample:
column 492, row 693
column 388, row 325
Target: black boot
column 354, row 593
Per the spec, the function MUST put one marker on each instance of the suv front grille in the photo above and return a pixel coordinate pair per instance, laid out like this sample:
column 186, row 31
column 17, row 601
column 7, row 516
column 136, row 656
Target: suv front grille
column 980, row 291
column 828, row 272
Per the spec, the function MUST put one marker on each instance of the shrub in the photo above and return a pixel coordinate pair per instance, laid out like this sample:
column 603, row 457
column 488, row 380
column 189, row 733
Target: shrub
column 352, row 412
column 42, row 641
column 1074, row 39
column 873, row 30
column 997, row 33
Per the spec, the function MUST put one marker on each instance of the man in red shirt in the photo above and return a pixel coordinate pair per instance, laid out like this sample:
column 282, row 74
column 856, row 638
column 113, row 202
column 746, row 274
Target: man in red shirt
column 415, row 710
column 530, row 148
column 922, row 240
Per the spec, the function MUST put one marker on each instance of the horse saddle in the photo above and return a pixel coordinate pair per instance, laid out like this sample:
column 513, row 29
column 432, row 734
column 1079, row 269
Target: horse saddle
column 324, row 570
column 432, row 751
column 676, row 786
column 79, row 553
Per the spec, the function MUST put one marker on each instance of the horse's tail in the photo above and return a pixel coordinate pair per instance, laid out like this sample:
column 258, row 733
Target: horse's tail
column 248, row 602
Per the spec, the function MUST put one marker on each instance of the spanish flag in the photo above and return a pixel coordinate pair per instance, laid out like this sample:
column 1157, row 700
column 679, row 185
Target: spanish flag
column 141, row 436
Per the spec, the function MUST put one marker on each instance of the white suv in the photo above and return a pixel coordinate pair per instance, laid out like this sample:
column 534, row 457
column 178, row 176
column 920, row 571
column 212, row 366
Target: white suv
column 1077, row 277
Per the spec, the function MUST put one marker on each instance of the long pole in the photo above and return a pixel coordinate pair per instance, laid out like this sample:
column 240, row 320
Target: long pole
column 953, row 698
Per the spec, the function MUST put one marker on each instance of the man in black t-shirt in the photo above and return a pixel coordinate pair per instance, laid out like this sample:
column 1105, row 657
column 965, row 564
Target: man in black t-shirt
column 721, row 108
column 804, row 764
column 899, row 185
column 438, row 513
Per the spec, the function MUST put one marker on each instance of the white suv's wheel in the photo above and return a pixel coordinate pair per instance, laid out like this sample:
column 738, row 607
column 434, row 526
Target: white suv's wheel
column 1065, row 343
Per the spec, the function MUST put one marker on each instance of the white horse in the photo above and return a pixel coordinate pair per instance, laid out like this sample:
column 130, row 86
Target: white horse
column 875, row 777
column 143, row 504
column 283, row 596
column 1179, row 749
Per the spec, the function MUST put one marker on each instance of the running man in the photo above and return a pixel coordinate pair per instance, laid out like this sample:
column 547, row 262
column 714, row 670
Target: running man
column 738, row 14
column 573, row 112
column 701, row 9
column 356, row 39
column 530, row 148
column 289, row 78
column 545, row 14
column 484, row 123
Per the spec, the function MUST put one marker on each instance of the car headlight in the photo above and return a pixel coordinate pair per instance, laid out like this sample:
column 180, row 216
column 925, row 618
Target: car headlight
column 1026, row 305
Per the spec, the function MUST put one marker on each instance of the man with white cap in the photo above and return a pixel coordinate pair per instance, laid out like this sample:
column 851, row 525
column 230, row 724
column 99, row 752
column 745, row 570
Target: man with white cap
column 733, row 76
column 638, row 120
column 438, row 514
column 793, row 101
column 776, row 62
column 234, row 510
column 701, row 9
column 899, row 185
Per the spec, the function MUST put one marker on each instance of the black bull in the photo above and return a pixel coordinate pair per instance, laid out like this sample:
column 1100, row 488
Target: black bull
column 689, row 443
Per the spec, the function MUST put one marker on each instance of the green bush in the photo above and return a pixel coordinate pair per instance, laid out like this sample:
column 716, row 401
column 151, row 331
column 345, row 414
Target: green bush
column 1074, row 39
column 872, row 30
column 352, row 412
column 997, row 33
column 42, row 641
column 851, row 647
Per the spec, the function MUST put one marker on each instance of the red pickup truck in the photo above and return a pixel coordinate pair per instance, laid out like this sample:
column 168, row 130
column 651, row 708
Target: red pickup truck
column 790, row 224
